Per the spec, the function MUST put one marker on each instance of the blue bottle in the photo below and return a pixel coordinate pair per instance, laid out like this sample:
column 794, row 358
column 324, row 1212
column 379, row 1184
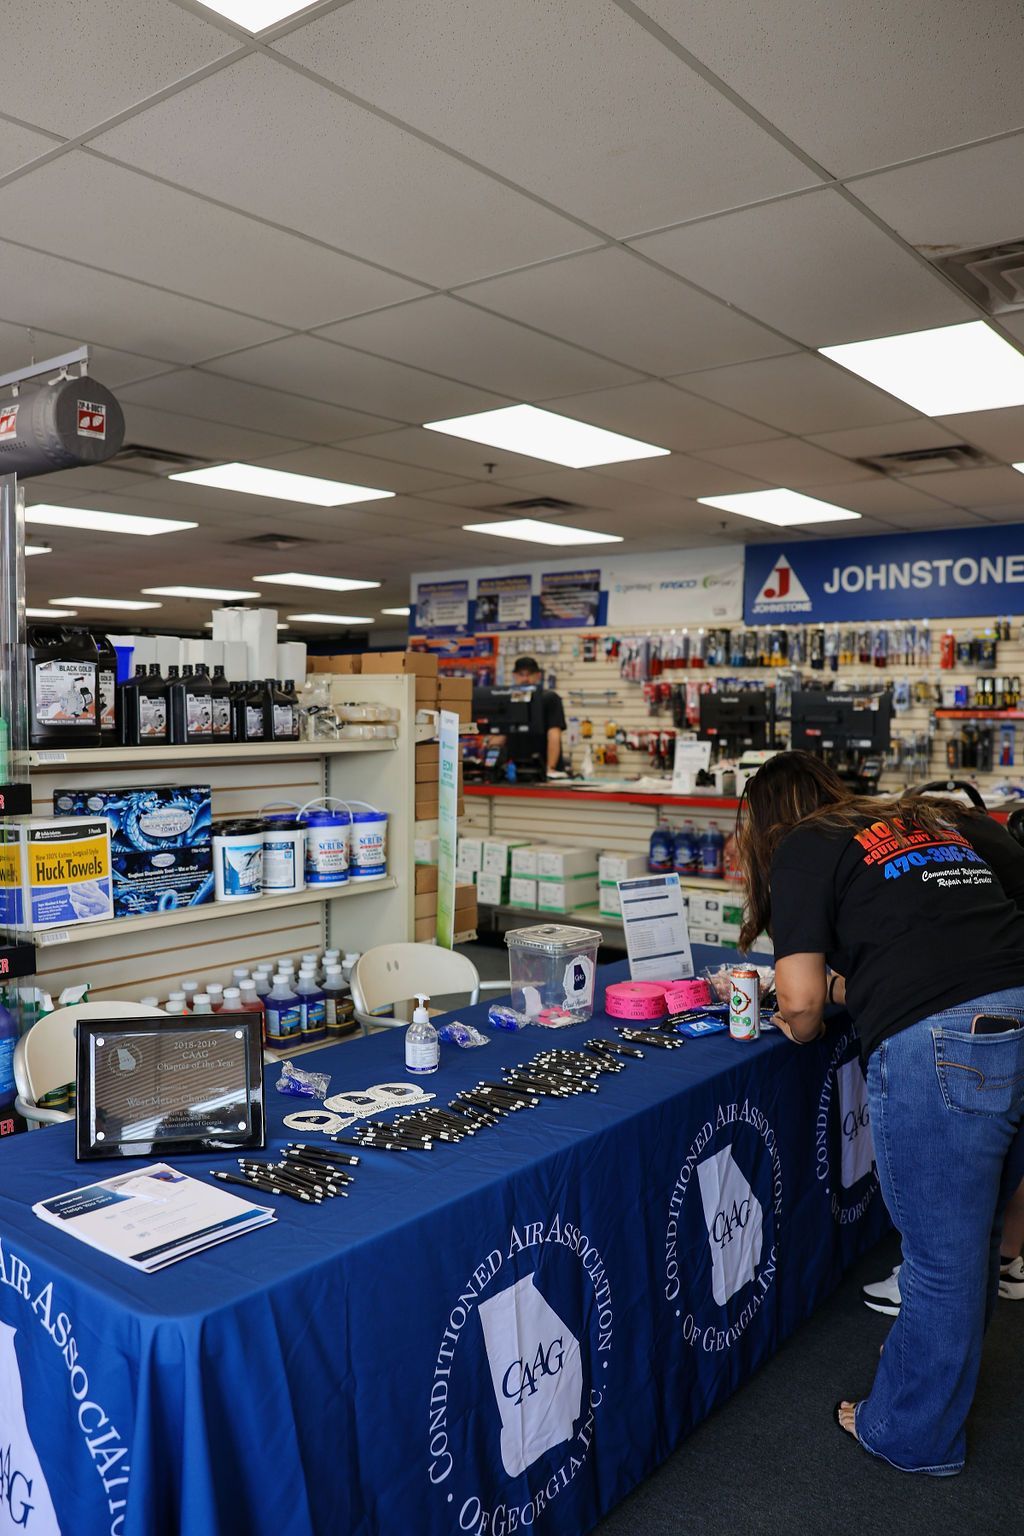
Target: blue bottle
column 712, row 844
column 687, row 852
column 312, row 1006
column 8, row 1040
column 283, row 1011
column 661, row 851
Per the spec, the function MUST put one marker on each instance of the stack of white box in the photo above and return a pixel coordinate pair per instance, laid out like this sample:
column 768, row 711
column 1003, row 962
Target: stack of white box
column 611, row 868
column 522, row 885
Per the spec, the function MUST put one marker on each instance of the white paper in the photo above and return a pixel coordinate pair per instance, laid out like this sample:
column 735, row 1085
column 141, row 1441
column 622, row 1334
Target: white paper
column 690, row 758
column 657, row 936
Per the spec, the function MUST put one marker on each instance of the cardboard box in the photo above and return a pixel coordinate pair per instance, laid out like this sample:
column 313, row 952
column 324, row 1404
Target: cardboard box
column 422, row 663
column 524, row 861
column 159, row 841
column 428, row 762
column 337, row 664
column 461, row 708
column 424, row 928
column 425, row 850
column 566, row 863
column 567, row 895
column 621, row 866
column 425, row 878
column 458, row 688
column 522, row 892
column 469, row 859
column 427, row 806
column 425, row 904
column 465, row 898
column 491, row 889
column 55, row 872
column 426, row 692
column 497, row 854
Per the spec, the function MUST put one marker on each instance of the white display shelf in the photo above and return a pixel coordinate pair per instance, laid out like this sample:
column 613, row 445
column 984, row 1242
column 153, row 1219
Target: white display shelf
column 122, row 927
column 249, row 751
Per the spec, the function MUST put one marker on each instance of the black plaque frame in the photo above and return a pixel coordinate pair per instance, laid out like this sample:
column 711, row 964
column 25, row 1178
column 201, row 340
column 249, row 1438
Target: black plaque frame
column 248, row 1127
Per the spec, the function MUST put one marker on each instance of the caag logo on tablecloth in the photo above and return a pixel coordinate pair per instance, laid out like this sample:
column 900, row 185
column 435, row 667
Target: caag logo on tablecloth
column 734, row 1161
column 844, row 1152
column 527, row 1377
column 24, row 1497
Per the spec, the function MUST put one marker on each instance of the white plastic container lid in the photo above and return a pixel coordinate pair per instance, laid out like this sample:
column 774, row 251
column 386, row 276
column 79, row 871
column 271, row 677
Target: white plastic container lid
column 553, row 938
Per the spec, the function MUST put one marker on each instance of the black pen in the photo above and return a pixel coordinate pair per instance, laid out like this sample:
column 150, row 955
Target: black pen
column 265, row 1186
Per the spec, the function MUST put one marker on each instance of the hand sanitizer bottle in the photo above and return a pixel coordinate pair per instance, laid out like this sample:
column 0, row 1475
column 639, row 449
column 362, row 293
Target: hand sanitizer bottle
column 422, row 1047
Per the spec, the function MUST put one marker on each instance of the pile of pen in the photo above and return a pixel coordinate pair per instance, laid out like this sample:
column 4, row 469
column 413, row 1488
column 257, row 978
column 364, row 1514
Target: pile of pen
column 664, row 1042
column 305, row 1172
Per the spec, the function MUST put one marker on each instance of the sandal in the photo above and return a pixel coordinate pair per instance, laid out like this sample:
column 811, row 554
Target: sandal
column 837, row 1415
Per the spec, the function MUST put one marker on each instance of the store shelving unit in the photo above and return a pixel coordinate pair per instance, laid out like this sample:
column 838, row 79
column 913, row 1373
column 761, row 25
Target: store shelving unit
column 99, row 758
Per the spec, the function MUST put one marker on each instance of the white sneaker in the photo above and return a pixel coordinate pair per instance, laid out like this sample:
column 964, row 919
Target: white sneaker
column 884, row 1295
column 1011, row 1280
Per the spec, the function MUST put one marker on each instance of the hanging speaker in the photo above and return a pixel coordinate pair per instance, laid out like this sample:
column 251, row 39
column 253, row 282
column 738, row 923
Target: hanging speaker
column 59, row 426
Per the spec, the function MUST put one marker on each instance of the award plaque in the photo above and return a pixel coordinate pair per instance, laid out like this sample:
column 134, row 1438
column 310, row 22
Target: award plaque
column 160, row 1087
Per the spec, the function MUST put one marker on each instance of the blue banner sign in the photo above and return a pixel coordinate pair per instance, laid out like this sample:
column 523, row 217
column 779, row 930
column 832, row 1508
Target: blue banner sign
column 958, row 574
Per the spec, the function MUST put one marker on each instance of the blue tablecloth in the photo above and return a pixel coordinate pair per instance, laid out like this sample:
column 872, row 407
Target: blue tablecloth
column 505, row 1333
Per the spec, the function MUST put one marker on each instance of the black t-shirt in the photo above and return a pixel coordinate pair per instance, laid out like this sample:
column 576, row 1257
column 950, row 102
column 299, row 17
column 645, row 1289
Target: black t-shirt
column 525, row 745
column 913, row 930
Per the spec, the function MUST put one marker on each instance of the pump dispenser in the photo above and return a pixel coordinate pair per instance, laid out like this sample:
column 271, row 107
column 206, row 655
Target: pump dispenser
column 422, row 1047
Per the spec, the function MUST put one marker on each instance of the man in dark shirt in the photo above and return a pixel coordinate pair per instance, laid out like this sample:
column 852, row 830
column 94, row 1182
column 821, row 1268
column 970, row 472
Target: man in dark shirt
column 527, row 674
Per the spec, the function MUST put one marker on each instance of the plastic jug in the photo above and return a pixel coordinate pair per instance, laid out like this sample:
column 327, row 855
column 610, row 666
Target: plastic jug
column 686, row 852
column 106, row 691
column 220, row 699
column 661, row 851
column 63, row 685
column 712, row 845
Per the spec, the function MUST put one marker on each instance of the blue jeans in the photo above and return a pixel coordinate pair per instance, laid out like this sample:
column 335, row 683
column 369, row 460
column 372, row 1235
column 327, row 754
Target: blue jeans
column 947, row 1115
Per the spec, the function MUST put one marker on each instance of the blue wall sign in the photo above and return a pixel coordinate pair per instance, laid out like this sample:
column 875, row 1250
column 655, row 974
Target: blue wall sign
column 904, row 576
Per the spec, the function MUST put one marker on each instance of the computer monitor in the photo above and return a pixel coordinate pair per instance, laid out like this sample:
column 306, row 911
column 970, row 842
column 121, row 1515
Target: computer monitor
column 738, row 718
column 841, row 724
column 518, row 715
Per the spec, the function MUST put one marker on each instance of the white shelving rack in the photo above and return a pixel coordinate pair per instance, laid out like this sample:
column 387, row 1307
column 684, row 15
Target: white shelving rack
column 132, row 957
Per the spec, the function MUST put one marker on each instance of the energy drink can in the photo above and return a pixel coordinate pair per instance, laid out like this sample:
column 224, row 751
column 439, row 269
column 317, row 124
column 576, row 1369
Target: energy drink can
column 744, row 1004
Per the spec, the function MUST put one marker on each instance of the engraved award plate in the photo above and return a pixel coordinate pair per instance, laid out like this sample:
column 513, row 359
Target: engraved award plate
column 160, row 1087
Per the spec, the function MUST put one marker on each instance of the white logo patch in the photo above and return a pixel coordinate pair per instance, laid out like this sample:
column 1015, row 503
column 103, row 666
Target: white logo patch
column 535, row 1371
column 734, row 1219
column 24, row 1497
column 858, row 1151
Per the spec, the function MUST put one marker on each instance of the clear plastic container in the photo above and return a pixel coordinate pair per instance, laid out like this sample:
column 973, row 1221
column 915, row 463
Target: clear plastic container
column 552, row 967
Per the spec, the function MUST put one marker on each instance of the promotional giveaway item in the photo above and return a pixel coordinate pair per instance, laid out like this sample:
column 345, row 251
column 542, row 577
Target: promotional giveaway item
column 176, row 1085
column 552, row 968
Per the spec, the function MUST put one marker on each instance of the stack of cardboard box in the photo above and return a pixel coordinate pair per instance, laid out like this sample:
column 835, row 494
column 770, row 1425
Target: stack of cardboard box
column 425, row 915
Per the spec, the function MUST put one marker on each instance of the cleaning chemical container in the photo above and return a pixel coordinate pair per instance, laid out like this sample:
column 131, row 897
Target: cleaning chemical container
column 238, row 859
column 328, row 842
column 552, row 968
column 369, row 843
column 284, row 855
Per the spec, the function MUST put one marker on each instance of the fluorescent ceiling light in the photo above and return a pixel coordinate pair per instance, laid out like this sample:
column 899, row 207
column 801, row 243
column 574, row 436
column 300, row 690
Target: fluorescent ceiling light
column 545, row 435
column 941, row 372
column 255, row 15
column 209, row 625
column 49, row 613
column 321, row 583
column 251, row 480
column 38, row 549
column 784, row 509
column 533, row 532
column 402, row 613
column 103, row 602
column 223, row 593
column 102, row 522
column 326, row 618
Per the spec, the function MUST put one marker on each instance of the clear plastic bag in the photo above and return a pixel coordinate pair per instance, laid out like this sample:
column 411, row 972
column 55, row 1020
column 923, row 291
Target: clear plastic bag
column 461, row 1034
column 302, row 1085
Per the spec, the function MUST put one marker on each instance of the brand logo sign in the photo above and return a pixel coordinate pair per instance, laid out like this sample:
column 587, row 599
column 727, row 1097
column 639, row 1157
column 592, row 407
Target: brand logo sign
column 526, row 1371
column 844, row 1153
column 25, row 1502
column 782, row 591
column 92, row 419
column 734, row 1162
column 8, row 422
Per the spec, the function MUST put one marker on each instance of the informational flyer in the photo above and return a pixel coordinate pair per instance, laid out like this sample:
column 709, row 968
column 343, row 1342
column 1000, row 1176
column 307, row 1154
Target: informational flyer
column 657, row 935
column 442, row 606
column 570, row 598
column 504, row 602
column 447, row 826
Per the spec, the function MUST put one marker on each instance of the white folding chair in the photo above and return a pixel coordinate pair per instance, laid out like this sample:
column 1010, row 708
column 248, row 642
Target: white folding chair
column 395, row 973
column 44, row 1058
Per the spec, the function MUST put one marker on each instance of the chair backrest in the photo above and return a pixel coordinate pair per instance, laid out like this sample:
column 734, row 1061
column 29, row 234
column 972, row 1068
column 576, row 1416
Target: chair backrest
column 394, row 973
column 44, row 1058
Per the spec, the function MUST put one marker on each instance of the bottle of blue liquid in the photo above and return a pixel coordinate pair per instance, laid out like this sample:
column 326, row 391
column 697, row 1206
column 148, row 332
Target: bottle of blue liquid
column 661, row 852
column 312, row 1005
column 8, row 1040
column 282, row 1009
column 712, row 845
column 687, row 853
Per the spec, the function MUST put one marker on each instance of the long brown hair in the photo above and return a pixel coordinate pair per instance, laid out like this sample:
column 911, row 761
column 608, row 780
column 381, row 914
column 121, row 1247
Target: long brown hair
column 797, row 789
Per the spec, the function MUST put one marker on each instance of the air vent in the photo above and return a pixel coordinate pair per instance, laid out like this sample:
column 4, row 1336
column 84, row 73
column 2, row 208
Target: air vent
column 992, row 275
column 142, row 459
column 922, row 461
column 538, row 504
column 272, row 541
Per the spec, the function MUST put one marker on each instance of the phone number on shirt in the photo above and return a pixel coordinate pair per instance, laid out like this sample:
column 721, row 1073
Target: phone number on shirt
column 919, row 857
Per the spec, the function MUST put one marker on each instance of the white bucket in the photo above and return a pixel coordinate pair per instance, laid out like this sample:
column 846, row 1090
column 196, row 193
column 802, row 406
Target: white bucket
column 369, row 843
column 238, row 861
column 284, row 856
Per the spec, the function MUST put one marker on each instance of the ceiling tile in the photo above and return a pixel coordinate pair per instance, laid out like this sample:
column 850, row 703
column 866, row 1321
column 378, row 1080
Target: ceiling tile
column 1012, row 513
column 786, row 461
column 970, row 198
column 572, row 100
column 330, row 169
column 812, row 267
column 19, row 145
column 465, row 342
column 658, row 413
column 624, row 308
column 203, row 439
column 800, row 393
column 90, row 210
column 897, row 437
column 451, row 456
column 864, row 85
column 18, row 343
column 1000, row 433
column 976, row 487
column 306, row 365
column 588, row 489
column 938, row 516
column 61, row 296
column 880, row 496
column 212, row 397
column 67, row 66
column 682, row 476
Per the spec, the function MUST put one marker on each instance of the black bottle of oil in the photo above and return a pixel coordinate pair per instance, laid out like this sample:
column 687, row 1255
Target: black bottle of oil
column 142, row 709
column 236, row 700
column 220, row 692
column 255, row 712
column 62, row 687
column 279, row 712
column 190, row 708
column 106, row 690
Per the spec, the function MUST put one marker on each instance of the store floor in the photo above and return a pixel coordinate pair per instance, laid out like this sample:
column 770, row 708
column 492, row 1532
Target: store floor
column 772, row 1461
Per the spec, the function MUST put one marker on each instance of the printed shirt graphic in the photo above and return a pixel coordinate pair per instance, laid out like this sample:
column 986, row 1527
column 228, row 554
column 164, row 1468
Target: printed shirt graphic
column 733, row 1215
column 858, row 1151
column 536, row 1373
column 25, row 1504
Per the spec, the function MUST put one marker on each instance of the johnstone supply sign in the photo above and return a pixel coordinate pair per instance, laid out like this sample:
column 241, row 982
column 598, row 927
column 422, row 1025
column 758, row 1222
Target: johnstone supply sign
column 966, row 572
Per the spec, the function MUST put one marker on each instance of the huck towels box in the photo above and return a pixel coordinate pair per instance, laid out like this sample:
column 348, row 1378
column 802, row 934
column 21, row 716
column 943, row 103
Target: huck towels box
column 160, row 843
column 55, row 872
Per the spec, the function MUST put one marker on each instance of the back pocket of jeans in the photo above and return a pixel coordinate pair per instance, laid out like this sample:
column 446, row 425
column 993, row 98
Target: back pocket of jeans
column 980, row 1074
